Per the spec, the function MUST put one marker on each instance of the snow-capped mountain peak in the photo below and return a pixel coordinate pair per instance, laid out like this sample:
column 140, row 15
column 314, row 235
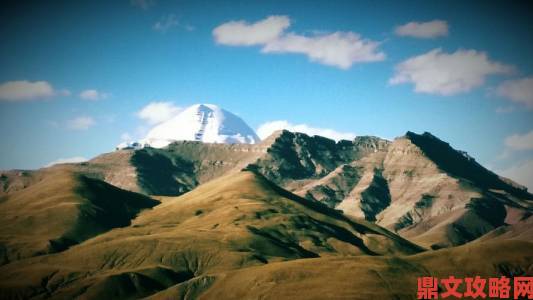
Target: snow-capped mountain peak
column 206, row 123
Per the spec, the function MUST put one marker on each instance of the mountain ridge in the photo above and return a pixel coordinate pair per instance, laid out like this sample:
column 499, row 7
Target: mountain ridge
column 197, row 218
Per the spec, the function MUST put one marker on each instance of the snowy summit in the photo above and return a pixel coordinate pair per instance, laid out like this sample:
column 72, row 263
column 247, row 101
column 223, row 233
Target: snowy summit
column 206, row 123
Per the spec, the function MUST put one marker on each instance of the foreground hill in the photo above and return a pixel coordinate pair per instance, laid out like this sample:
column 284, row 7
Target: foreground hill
column 361, row 277
column 52, row 209
column 239, row 236
column 230, row 223
column 242, row 237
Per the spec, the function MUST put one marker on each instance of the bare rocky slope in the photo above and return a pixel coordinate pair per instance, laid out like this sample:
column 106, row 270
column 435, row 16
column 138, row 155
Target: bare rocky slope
column 416, row 185
column 196, row 220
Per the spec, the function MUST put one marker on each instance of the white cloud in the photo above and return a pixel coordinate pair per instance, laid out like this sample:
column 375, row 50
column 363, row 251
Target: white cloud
column 242, row 33
column 518, row 90
column 520, row 141
column 81, row 123
column 75, row 159
column 425, row 30
column 143, row 4
column 93, row 95
column 521, row 173
column 26, row 90
column 266, row 129
column 436, row 72
column 157, row 112
column 338, row 49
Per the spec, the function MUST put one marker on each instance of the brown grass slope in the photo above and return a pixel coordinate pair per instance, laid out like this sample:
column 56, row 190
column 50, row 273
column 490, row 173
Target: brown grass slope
column 232, row 222
column 418, row 185
column 361, row 277
column 56, row 208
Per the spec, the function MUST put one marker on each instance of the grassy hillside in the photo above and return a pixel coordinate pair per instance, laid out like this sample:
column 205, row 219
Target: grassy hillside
column 242, row 237
column 229, row 223
column 57, row 208
column 361, row 277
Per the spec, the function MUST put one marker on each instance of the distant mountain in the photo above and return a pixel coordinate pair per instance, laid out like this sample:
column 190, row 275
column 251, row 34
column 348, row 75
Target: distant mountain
column 206, row 123
column 425, row 190
column 416, row 185
column 229, row 220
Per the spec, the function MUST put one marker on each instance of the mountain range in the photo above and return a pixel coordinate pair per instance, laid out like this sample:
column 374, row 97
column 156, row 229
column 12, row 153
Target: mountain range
column 290, row 217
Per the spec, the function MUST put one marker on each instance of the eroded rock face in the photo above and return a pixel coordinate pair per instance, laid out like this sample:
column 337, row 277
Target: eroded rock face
column 295, row 158
column 416, row 185
column 425, row 190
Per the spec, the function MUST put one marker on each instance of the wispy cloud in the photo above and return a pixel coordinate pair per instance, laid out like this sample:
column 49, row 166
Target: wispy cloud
column 168, row 22
column 338, row 49
column 518, row 90
column 520, row 141
column 143, row 4
column 75, row 159
column 158, row 112
column 437, row 72
column 93, row 95
column 424, row 30
column 165, row 23
column 80, row 123
column 266, row 129
column 23, row 90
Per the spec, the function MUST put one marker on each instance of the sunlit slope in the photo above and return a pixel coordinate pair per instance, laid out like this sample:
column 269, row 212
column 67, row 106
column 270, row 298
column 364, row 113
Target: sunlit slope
column 232, row 222
column 359, row 277
column 56, row 208
column 417, row 185
column 248, row 203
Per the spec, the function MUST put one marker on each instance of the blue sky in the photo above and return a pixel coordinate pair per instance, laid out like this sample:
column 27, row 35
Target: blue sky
column 463, row 71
